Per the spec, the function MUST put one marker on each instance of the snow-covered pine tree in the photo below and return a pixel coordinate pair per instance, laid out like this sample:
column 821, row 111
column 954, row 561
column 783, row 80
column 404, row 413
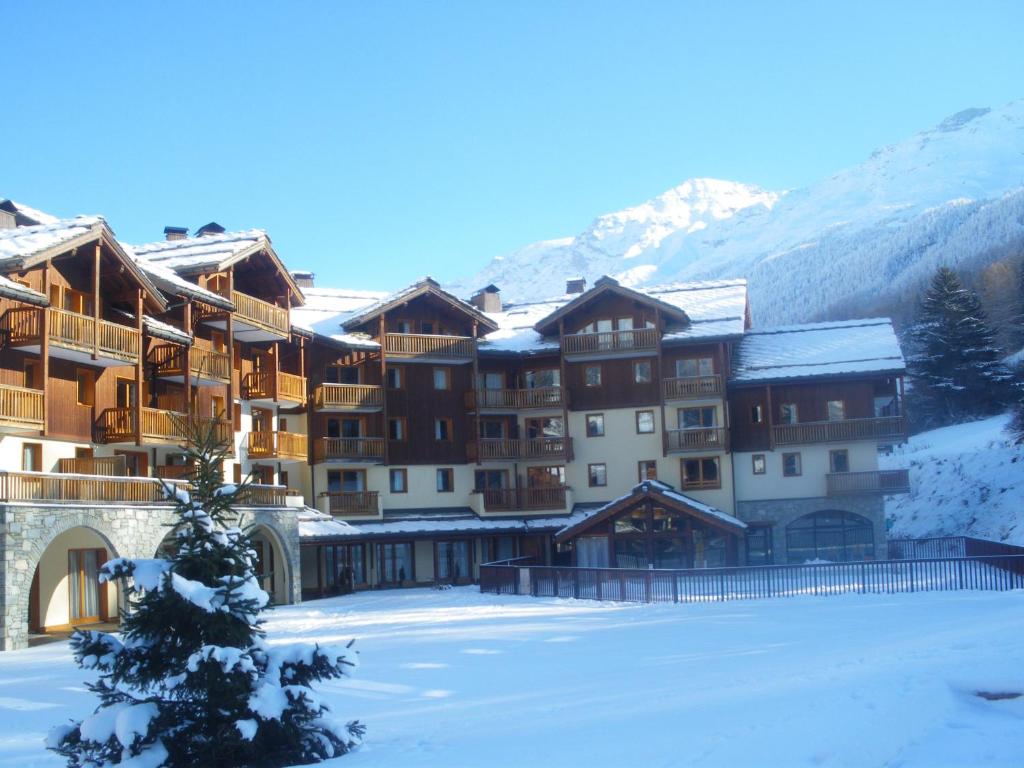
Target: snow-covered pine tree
column 191, row 682
column 956, row 366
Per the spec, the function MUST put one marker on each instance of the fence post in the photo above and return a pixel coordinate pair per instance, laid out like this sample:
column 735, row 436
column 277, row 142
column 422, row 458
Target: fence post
column 721, row 586
column 863, row 578
column 648, row 587
column 576, row 584
column 600, row 582
column 675, row 587
column 555, row 585
column 911, row 575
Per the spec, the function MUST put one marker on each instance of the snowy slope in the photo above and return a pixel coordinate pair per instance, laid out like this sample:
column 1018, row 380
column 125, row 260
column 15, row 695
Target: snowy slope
column 967, row 479
column 945, row 195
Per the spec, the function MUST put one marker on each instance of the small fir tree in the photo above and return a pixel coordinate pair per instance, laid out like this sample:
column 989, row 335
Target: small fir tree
column 956, row 368
column 191, row 682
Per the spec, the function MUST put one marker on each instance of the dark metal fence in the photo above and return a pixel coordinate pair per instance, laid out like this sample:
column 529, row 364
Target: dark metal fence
column 948, row 546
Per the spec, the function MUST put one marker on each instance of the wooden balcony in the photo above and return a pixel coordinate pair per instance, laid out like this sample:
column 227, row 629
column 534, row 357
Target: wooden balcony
column 117, row 425
column 348, row 397
column 253, row 319
column 71, row 336
column 263, row 385
column 354, row 449
column 695, row 439
column 693, row 387
column 286, row 446
column 514, row 399
column 205, row 365
column 174, row 472
column 20, row 408
column 522, row 499
column 594, row 346
column 256, row 495
column 353, row 503
column 108, row 466
column 882, row 429
column 883, row 481
column 45, row 486
column 501, row 449
column 426, row 348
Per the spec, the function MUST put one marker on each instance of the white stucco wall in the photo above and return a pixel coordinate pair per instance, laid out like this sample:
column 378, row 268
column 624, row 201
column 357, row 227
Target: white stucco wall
column 814, row 460
column 54, row 596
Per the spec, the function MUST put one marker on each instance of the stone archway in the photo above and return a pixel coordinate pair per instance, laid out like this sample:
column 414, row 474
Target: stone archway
column 273, row 563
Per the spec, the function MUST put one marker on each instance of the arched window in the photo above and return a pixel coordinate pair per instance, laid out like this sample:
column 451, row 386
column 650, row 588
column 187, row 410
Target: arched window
column 830, row 535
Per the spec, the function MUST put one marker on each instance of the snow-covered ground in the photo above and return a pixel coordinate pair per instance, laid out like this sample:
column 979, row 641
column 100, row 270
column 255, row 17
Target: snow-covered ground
column 459, row 679
column 966, row 480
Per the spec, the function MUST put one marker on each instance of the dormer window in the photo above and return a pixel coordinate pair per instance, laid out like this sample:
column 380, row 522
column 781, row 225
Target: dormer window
column 403, row 326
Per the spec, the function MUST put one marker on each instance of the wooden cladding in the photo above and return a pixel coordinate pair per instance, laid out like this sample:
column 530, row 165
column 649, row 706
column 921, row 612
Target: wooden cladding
column 429, row 347
column 344, row 503
column 515, row 399
column 69, row 330
column 878, row 481
column 117, row 425
column 257, row 495
column 882, row 428
column 340, row 397
column 263, row 385
column 40, row 486
column 204, row 364
column 500, row 449
column 349, row 448
column 276, row 445
column 517, row 499
column 610, row 342
column 20, row 407
column 695, row 439
column 688, row 387
column 108, row 466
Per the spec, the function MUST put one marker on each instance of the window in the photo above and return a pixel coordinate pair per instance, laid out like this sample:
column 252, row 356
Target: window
column 33, row 374
column 787, row 413
column 545, row 477
column 396, row 429
column 701, row 472
column 346, row 480
column 282, row 424
column 647, row 470
column 442, row 378
column 454, row 561
column 759, row 545
column 341, row 374
column 791, row 466
column 403, row 326
column 492, row 429
column 598, row 475
column 697, row 418
column 394, row 377
column 86, row 383
column 695, row 366
column 595, row 425
column 216, row 406
column 489, row 479
column 642, row 372
column 217, row 341
column 830, row 535
column 396, row 563
column 759, row 463
column 839, row 460
column 836, row 410
column 443, row 429
column 757, row 414
column 548, row 426
column 445, row 480
column 645, row 422
column 592, row 376
column 32, row 457
column 427, row 328
column 398, row 480
column 490, row 380
column 545, row 377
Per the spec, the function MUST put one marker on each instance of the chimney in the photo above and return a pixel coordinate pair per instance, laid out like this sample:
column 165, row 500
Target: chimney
column 175, row 233
column 303, row 279
column 213, row 228
column 7, row 220
column 487, row 299
column 575, row 285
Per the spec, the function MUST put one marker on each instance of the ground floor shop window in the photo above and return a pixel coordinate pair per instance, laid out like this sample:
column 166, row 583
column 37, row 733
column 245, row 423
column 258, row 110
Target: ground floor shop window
column 453, row 560
column 830, row 535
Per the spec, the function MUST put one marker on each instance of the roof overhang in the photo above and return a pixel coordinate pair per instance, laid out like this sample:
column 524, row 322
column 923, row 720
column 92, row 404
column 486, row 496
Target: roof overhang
column 425, row 287
column 548, row 326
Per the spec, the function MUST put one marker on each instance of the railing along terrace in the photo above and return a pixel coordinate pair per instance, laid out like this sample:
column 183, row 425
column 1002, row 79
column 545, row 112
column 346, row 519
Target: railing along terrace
column 511, row 499
column 83, row 333
column 329, row 396
column 429, row 345
column 169, row 360
column 515, row 399
column 876, row 481
column 689, row 387
column 43, row 486
column 257, row 312
column 118, row 425
column 359, row 448
column 696, row 439
column 610, row 341
column 261, row 385
column 501, row 449
column 291, row 386
column 844, row 430
column 344, row 503
column 110, row 466
column 259, row 495
column 21, row 407
column 267, row 444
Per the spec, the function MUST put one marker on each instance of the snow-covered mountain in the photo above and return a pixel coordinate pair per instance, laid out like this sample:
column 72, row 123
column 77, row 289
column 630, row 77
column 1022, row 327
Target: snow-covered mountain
column 953, row 194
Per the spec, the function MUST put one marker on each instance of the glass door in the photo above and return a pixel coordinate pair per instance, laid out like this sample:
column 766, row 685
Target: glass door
column 84, row 584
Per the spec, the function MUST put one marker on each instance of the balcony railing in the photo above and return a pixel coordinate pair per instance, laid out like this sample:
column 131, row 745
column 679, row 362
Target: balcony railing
column 261, row 385
column 23, row 326
column 256, row 495
column 343, row 503
column 690, row 387
column 427, row 346
column 108, row 466
column 20, row 407
column 276, row 445
column 883, row 428
column 345, row 397
column 175, row 472
column 204, row 364
column 515, row 399
column 45, row 486
column 516, row 499
column 609, row 342
column 501, row 449
column 349, row 448
column 117, row 425
column 883, row 481
column 695, row 439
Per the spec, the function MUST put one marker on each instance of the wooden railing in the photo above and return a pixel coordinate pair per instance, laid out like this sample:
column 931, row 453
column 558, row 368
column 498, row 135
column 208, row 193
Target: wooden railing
column 357, row 448
column 429, row 346
column 511, row 499
column 117, row 425
column 204, row 363
column 23, row 326
column 344, row 503
column 43, row 486
column 610, row 341
column 688, row 387
column 263, row 314
column 881, row 428
column 174, row 472
column 876, row 481
column 344, row 396
column 276, row 445
column 21, row 407
column 696, row 439
column 259, row 385
column 291, row 387
column 256, row 495
column 501, row 449
column 515, row 399
column 109, row 466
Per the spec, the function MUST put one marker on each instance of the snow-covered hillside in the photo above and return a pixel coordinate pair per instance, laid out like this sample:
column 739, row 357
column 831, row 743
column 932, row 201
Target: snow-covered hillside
column 948, row 195
column 967, row 480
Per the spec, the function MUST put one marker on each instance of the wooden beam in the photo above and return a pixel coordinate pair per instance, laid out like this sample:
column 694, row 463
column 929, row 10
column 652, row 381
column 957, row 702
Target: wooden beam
column 382, row 338
column 96, row 303
column 565, row 389
column 473, row 387
column 659, row 380
column 187, row 359
column 140, row 303
column 44, row 346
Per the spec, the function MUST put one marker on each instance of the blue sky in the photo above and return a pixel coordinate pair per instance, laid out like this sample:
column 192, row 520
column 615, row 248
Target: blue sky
column 380, row 141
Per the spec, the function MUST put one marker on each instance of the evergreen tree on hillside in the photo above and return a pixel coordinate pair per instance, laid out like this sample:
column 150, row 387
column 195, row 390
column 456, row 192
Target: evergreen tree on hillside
column 191, row 682
column 956, row 366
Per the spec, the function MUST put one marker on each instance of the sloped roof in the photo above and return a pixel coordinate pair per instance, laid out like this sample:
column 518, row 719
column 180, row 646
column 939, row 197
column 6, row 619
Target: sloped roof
column 546, row 325
column 12, row 290
column 318, row 526
column 173, row 284
column 818, row 349
column 423, row 286
column 326, row 309
column 25, row 215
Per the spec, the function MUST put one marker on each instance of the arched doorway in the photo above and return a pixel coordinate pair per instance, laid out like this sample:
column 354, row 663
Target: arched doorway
column 271, row 565
column 831, row 535
column 66, row 591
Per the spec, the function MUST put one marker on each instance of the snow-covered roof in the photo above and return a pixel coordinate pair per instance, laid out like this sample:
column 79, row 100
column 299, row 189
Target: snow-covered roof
column 165, row 331
column 170, row 282
column 327, row 308
column 12, row 290
column 26, row 215
column 818, row 349
column 20, row 244
column 316, row 525
column 209, row 252
column 425, row 285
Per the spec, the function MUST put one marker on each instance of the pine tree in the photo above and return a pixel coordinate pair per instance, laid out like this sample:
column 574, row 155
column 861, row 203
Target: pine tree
column 192, row 682
column 956, row 369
